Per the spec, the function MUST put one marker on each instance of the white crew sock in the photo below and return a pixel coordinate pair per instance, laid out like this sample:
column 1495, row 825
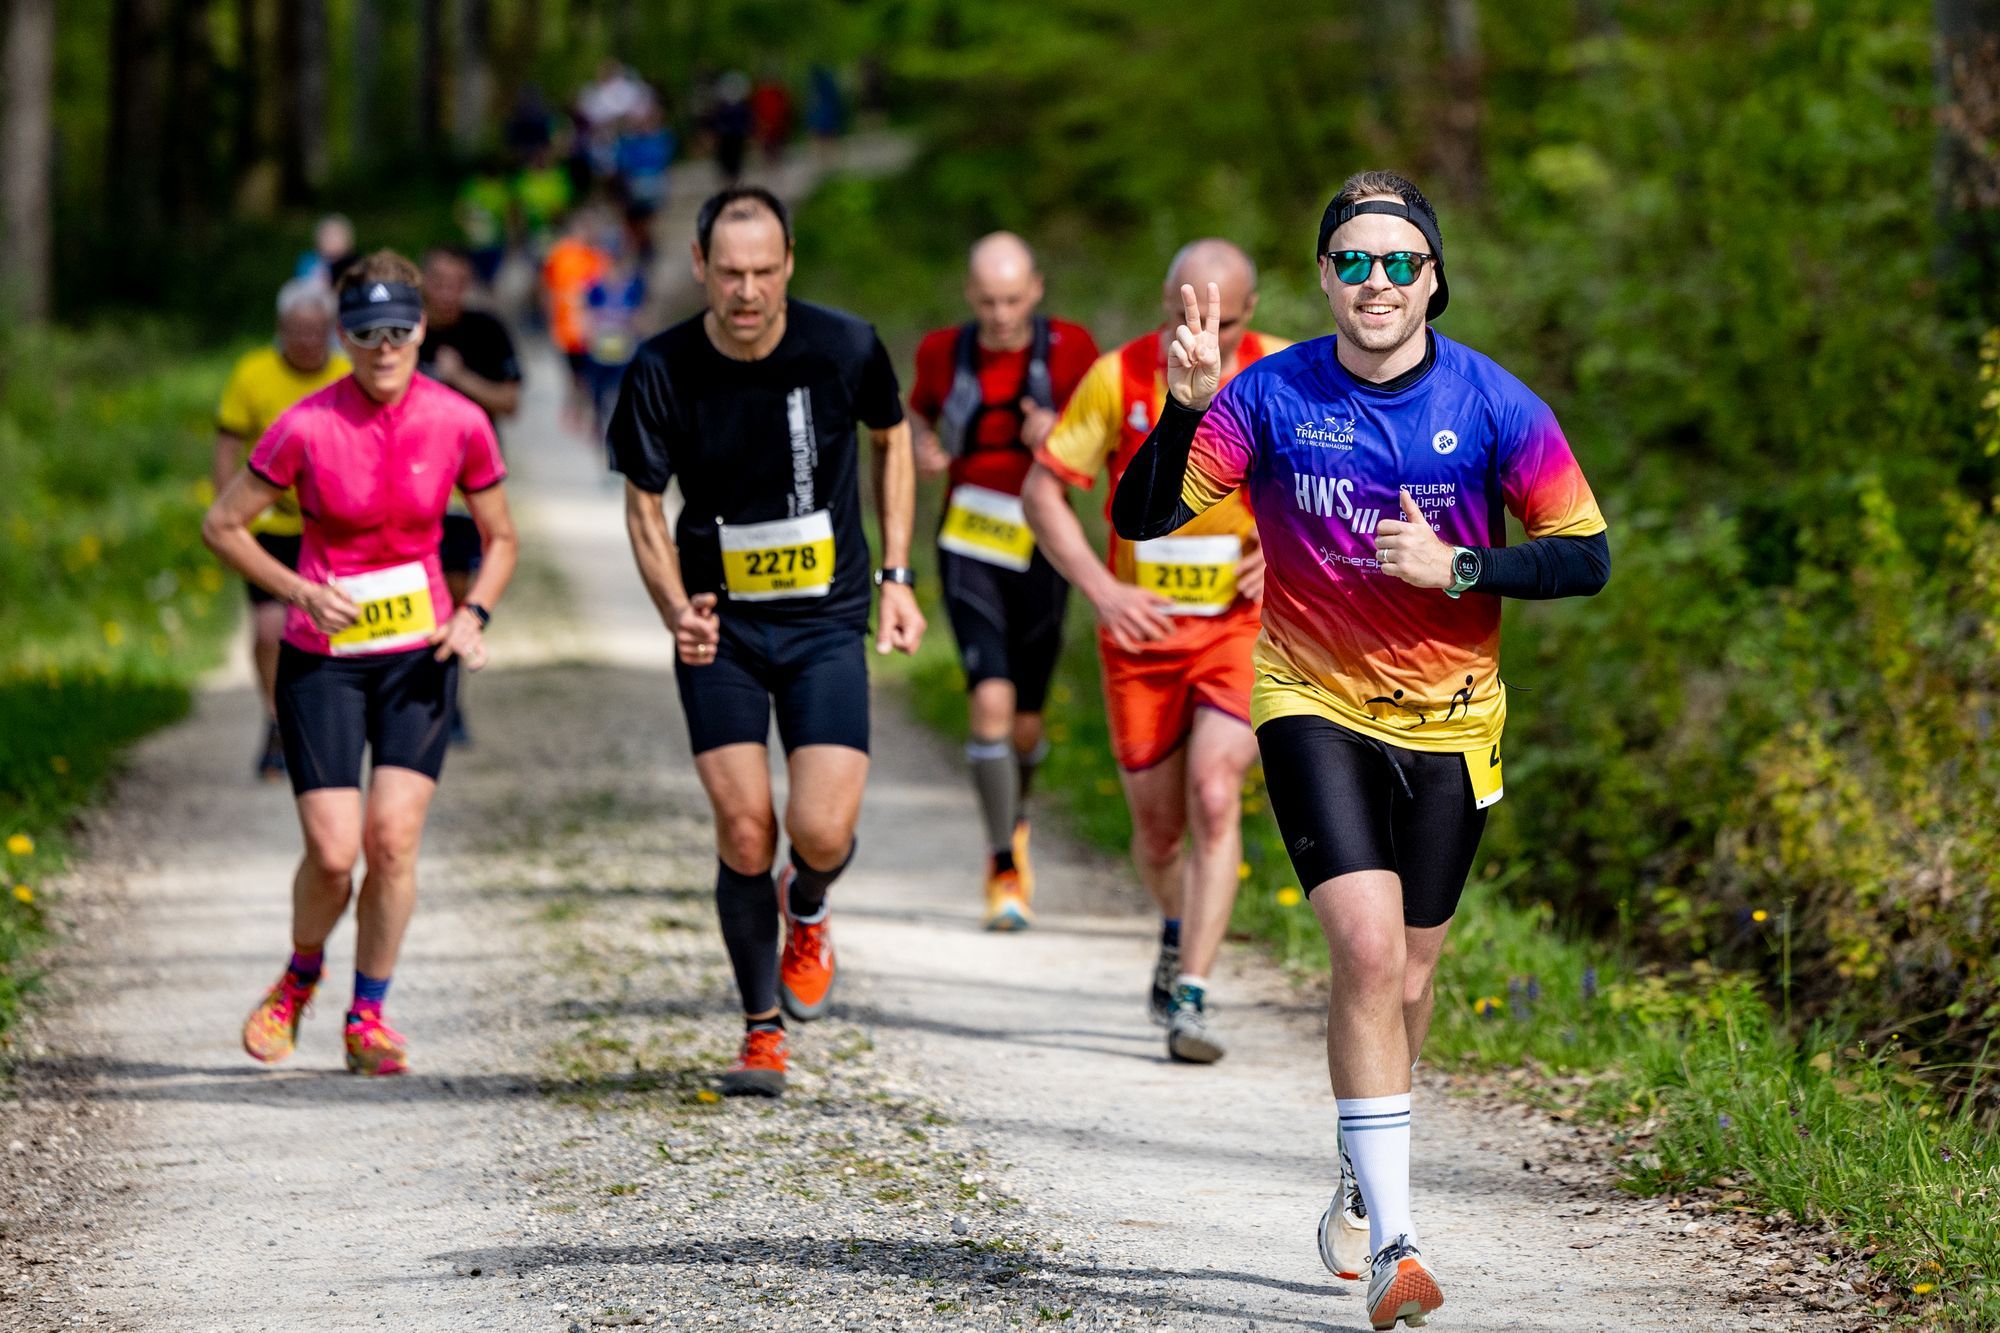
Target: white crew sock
column 1375, row 1131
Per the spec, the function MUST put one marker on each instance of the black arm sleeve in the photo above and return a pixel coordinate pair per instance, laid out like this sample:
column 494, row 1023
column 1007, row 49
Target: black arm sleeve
column 1545, row 568
column 1148, row 500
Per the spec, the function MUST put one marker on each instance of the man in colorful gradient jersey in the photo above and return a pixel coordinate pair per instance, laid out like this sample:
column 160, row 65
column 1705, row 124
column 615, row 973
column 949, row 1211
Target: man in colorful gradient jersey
column 1381, row 464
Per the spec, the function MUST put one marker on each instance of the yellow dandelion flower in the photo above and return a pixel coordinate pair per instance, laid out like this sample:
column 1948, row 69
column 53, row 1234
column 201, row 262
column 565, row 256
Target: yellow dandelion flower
column 20, row 844
column 1488, row 1004
column 1760, row 916
column 1923, row 1289
column 114, row 633
column 1289, row 896
column 23, row 894
column 707, row 1096
column 1242, row 871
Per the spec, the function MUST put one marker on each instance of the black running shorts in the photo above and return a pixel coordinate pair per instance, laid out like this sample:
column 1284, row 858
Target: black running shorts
column 814, row 676
column 1008, row 622
column 459, row 549
column 1346, row 802
column 286, row 549
column 395, row 705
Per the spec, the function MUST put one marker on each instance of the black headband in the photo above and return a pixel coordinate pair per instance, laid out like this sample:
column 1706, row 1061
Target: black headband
column 379, row 305
column 1338, row 215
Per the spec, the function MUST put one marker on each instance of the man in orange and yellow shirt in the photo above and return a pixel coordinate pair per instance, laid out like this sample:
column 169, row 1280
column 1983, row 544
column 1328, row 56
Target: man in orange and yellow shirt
column 1177, row 621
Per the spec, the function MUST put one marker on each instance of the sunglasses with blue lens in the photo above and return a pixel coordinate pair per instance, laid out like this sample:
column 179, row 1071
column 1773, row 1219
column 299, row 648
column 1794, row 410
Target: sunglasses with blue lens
column 1399, row 266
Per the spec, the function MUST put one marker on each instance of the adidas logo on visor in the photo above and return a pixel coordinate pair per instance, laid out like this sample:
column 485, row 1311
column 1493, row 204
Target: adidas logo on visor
column 378, row 293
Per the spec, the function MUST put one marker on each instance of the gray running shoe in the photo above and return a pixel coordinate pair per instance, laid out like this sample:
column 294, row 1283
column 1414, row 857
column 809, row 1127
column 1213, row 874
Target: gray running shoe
column 1166, row 970
column 1343, row 1227
column 1401, row 1287
column 1188, row 1036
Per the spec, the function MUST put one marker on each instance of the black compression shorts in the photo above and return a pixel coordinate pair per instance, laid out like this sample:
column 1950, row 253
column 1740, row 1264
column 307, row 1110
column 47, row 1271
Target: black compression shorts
column 286, row 549
column 815, row 676
column 395, row 705
column 1346, row 802
column 1008, row 622
column 459, row 549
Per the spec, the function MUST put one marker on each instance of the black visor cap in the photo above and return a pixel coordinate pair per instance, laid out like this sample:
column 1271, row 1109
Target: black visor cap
column 380, row 305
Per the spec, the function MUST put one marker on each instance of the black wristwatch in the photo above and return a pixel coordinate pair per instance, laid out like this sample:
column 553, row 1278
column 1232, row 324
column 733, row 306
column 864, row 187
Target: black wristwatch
column 1464, row 570
column 485, row 616
column 902, row 574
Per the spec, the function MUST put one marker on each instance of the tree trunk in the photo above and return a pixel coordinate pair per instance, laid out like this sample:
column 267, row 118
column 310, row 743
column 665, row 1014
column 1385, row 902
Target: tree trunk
column 27, row 135
column 472, row 82
column 1461, row 159
column 302, row 63
column 190, row 164
column 248, row 140
column 430, row 79
column 364, row 125
column 1965, row 169
column 137, row 147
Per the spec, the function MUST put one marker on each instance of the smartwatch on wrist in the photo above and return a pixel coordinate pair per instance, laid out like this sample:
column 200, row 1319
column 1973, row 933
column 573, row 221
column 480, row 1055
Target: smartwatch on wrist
column 484, row 616
column 1464, row 570
column 902, row 574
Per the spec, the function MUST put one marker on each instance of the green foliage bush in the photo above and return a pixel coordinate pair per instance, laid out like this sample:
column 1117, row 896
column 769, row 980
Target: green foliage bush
column 109, row 604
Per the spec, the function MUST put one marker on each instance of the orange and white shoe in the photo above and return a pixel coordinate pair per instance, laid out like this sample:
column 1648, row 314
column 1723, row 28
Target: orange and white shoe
column 1401, row 1287
column 374, row 1048
column 1006, row 902
column 805, row 969
column 1343, row 1227
column 759, row 1070
column 1024, row 867
column 272, row 1030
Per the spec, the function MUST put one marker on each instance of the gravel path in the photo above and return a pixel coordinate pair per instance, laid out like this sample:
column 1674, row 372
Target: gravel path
column 985, row 1134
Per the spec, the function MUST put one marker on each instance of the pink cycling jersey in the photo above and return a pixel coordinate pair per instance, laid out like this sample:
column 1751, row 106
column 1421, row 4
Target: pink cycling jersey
column 373, row 482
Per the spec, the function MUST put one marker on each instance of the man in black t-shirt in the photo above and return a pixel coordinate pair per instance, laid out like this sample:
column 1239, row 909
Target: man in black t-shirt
column 468, row 350
column 755, row 406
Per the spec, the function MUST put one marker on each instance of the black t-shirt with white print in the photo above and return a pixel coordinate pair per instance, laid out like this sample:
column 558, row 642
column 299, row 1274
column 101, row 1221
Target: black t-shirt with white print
column 763, row 442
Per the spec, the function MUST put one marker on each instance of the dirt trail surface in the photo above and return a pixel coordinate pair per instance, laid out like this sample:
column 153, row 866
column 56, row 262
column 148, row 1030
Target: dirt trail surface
column 985, row 1134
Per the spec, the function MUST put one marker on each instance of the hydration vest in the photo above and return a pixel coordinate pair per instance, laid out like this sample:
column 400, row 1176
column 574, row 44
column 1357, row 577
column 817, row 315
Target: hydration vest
column 958, row 419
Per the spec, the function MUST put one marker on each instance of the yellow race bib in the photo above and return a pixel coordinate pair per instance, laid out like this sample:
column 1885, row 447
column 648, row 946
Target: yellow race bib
column 788, row 557
column 1197, row 574
column 987, row 525
column 396, row 611
column 1483, row 767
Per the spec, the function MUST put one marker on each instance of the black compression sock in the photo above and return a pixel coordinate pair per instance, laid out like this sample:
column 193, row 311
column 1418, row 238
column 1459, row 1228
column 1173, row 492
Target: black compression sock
column 775, row 1022
column 807, row 894
column 748, row 906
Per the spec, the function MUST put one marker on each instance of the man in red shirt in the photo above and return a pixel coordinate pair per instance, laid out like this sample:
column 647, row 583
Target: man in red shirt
column 987, row 394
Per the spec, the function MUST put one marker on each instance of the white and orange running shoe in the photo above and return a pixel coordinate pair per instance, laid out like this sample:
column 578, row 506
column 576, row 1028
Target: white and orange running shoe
column 1401, row 1287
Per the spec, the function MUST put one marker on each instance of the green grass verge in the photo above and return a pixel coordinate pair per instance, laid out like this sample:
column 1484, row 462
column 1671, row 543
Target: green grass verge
column 109, row 605
column 1705, row 1088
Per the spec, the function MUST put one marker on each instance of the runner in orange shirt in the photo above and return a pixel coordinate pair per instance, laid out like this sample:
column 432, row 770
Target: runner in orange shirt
column 1177, row 619
column 573, row 264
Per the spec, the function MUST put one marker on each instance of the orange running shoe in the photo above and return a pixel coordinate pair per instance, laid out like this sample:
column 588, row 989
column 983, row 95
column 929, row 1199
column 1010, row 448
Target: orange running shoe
column 1401, row 1287
column 759, row 1070
column 373, row 1047
column 805, row 971
column 1022, row 865
column 272, row 1030
column 1006, row 904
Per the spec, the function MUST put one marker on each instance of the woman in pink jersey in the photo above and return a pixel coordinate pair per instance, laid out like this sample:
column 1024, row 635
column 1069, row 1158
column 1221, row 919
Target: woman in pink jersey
column 372, row 645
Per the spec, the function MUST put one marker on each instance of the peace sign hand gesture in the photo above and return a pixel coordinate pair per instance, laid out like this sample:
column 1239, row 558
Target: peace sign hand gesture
column 1194, row 362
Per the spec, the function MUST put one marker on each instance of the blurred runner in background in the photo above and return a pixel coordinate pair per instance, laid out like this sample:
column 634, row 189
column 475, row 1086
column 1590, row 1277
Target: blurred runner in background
column 1176, row 621
column 265, row 383
column 470, row 351
column 992, row 388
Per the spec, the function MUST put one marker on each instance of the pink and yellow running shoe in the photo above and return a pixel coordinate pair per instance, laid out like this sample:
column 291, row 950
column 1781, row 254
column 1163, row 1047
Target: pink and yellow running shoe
column 373, row 1047
column 272, row 1030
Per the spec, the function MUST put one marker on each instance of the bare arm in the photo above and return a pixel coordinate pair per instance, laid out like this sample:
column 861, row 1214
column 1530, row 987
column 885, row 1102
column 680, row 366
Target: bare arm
column 901, row 623
column 228, row 457
column 692, row 619
column 932, row 460
column 463, row 634
column 226, row 529
column 500, row 398
column 1132, row 615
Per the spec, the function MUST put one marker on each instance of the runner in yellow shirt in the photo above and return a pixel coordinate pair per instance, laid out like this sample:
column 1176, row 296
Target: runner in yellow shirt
column 265, row 383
